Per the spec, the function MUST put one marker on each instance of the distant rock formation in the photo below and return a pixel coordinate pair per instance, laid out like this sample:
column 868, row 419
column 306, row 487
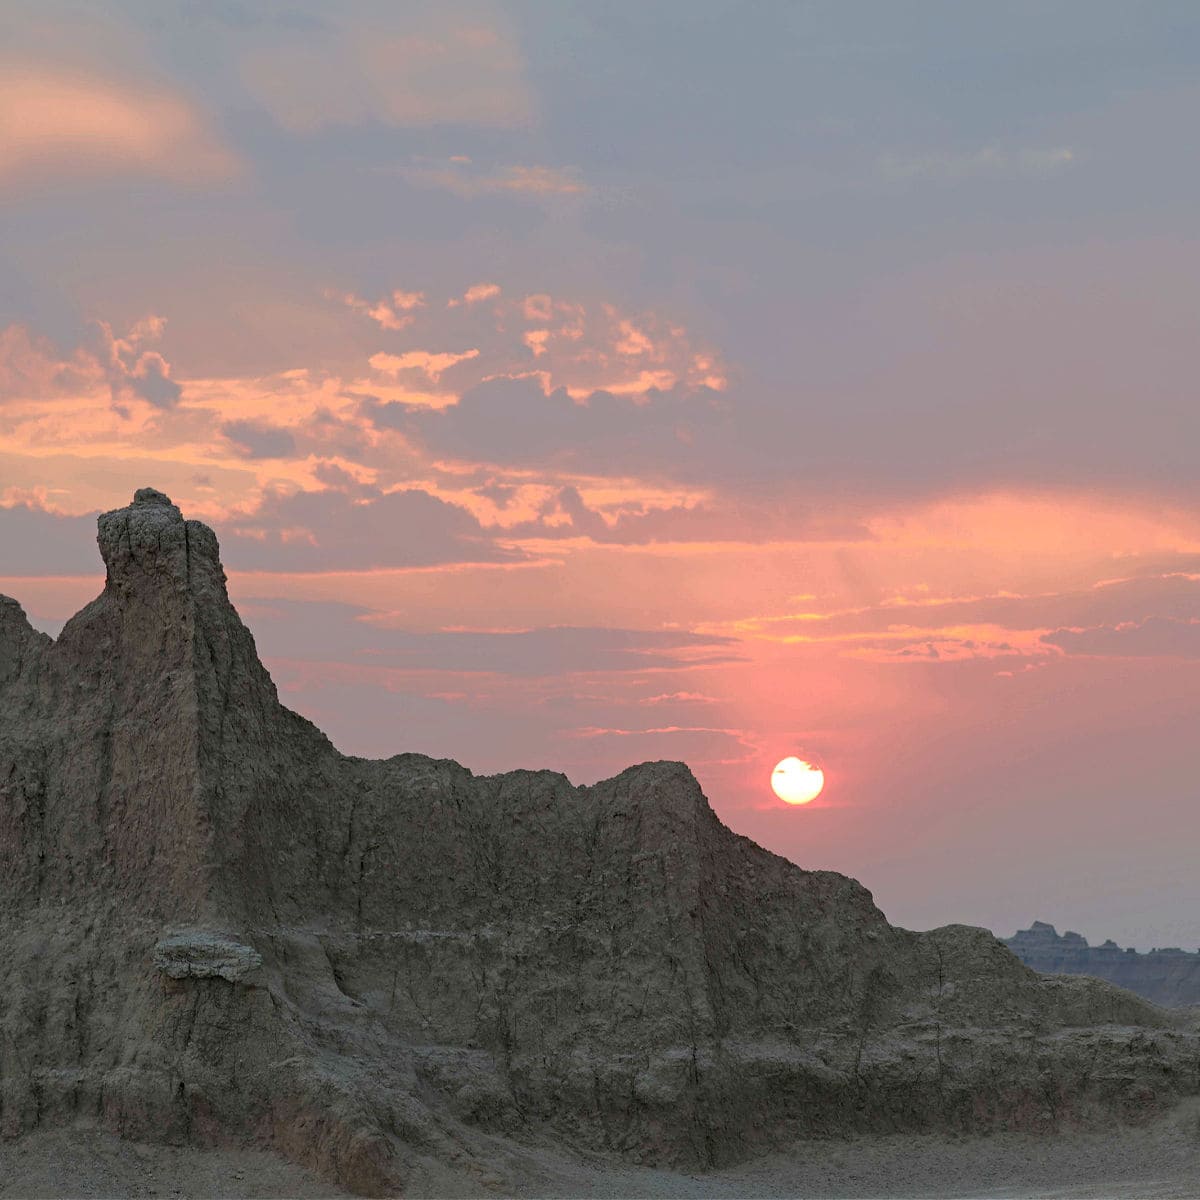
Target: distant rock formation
column 214, row 926
column 1169, row 976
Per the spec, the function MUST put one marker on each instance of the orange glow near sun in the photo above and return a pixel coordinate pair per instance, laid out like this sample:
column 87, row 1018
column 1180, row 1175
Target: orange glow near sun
column 796, row 781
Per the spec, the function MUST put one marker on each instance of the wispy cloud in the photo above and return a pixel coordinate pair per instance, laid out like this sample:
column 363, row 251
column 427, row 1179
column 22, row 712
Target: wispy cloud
column 426, row 363
column 259, row 439
column 409, row 527
column 334, row 631
column 535, row 182
column 392, row 312
column 56, row 122
column 134, row 370
column 410, row 66
column 1155, row 637
column 987, row 162
column 475, row 294
column 32, row 369
column 582, row 347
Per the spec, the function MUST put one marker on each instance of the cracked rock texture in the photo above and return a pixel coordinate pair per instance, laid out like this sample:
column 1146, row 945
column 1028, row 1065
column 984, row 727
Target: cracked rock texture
column 216, row 928
column 199, row 954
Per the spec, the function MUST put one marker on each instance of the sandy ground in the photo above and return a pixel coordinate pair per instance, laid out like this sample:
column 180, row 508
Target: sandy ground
column 1161, row 1160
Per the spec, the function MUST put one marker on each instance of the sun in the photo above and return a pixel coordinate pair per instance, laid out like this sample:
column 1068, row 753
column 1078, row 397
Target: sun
column 796, row 781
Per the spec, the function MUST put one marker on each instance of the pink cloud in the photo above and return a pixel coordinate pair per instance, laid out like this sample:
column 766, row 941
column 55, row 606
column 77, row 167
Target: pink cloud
column 631, row 342
column 536, row 340
column 539, row 307
column 475, row 294
column 133, row 370
column 431, row 365
column 32, row 369
column 1155, row 637
column 408, row 66
column 581, row 347
column 531, row 182
column 394, row 312
column 55, row 122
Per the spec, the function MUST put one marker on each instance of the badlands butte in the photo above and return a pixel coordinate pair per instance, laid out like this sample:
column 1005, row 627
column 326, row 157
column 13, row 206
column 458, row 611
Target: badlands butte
column 219, row 931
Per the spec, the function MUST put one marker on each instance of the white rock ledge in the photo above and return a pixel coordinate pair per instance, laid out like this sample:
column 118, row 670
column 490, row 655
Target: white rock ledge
column 198, row 954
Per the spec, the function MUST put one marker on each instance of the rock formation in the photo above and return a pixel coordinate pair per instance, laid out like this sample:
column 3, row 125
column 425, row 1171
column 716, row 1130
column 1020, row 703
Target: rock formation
column 215, row 926
column 1168, row 976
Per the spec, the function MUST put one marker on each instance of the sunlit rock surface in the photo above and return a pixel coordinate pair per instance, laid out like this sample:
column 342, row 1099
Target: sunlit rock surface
column 452, row 965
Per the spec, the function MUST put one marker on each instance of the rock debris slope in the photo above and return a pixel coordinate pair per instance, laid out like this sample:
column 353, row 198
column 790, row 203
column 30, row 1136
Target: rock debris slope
column 217, row 927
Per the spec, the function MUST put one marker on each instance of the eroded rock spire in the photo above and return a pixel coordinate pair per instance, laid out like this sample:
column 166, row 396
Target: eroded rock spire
column 149, row 540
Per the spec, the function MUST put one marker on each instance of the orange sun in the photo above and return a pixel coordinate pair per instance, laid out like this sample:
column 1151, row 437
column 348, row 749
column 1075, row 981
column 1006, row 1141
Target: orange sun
column 796, row 781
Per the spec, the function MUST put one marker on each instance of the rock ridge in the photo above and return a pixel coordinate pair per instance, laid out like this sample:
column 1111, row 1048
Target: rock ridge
column 216, row 927
column 1169, row 975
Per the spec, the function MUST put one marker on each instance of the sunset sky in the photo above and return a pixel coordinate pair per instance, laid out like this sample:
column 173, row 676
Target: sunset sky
column 574, row 384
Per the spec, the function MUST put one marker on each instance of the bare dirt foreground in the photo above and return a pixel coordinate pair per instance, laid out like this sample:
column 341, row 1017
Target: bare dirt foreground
column 1157, row 1160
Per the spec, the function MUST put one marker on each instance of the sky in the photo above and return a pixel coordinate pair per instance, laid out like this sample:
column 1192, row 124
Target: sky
column 578, row 384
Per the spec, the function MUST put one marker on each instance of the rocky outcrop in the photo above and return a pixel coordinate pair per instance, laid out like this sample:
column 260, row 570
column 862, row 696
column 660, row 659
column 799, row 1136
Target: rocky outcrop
column 1168, row 976
column 200, row 954
column 217, row 927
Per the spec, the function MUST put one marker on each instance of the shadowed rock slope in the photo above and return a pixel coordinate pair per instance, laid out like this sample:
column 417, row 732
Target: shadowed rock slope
column 217, row 927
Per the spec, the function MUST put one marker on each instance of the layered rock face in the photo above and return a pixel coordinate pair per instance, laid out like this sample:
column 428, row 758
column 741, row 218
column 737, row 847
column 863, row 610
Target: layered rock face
column 215, row 926
column 1170, row 976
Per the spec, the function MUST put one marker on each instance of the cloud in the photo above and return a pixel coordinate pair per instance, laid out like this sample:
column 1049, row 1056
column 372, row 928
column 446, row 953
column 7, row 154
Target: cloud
column 31, row 368
column 515, row 423
column 565, row 514
column 431, row 365
column 132, row 370
column 56, row 122
column 584, row 347
column 538, row 307
column 333, row 531
column 322, row 631
column 534, row 182
column 475, row 294
column 1155, row 637
column 699, row 745
column 1070, row 612
column 987, row 162
column 588, row 388
column 394, row 312
column 259, row 439
column 412, row 65
column 948, row 646
column 40, row 542
column 536, row 340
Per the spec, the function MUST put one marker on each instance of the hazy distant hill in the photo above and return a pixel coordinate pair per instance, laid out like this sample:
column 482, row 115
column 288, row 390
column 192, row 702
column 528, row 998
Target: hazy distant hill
column 1168, row 976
